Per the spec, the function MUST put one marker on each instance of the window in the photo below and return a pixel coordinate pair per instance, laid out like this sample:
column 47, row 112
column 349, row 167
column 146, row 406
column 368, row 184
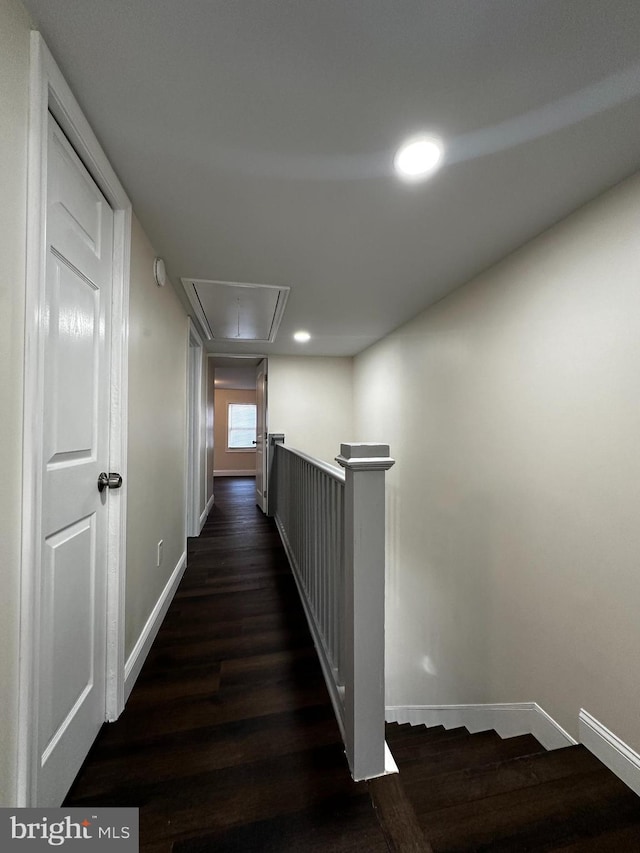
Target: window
column 241, row 426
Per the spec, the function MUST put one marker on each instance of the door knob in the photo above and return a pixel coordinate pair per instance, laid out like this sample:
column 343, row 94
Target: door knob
column 109, row 481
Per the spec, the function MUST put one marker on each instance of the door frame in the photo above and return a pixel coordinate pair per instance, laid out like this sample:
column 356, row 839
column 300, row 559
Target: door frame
column 236, row 357
column 50, row 92
column 264, row 473
column 194, row 431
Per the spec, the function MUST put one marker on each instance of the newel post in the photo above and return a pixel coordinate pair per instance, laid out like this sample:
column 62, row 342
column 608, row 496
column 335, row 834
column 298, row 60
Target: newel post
column 364, row 565
column 272, row 478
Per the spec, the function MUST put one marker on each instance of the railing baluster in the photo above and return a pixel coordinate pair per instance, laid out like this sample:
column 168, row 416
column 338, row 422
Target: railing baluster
column 316, row 544
column 339, row 585
column 333, row 551
column 322, row 550
column 309, row 536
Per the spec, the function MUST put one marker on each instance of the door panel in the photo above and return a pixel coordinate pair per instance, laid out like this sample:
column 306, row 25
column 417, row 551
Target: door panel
column 70, row 563
column 79, row 211
column 72, row 618
column 74, row 349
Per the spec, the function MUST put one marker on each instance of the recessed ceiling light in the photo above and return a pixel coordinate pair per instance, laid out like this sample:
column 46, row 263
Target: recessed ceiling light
column 418, row 158
column 302, row 337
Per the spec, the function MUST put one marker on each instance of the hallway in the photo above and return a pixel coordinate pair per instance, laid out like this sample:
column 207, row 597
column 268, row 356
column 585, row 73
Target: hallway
column 228, row 741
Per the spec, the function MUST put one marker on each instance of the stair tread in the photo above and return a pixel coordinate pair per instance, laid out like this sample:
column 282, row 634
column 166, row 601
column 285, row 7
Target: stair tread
column 469, row 784
column 423, row 749
column 476, row 751
column 404, row 727
column 420, row 734
column 552, row 813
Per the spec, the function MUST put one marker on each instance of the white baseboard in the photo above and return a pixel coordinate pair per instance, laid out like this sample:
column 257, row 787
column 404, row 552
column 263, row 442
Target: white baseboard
column 141, row 649
column 223, row 472
column 508, row 719
column 614, row 753
column 206, row 512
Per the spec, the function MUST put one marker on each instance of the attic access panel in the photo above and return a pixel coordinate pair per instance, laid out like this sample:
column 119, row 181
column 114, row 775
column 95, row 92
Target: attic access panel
column 233, row 311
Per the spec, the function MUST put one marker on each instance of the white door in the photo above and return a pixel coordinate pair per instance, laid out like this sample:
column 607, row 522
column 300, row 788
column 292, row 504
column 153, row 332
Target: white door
column 72, row 619
column 261, row 435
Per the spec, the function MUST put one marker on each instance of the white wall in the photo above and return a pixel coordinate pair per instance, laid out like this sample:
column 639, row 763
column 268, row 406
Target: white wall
column 14, row 103
column 158, row 341
column 513, row 410
column 310, row 401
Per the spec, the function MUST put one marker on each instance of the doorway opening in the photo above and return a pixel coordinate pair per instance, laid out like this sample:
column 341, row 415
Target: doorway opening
column 240, row 419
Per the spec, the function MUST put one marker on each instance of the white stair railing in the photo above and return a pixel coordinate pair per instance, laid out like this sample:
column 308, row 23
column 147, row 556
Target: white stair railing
column 331, row 522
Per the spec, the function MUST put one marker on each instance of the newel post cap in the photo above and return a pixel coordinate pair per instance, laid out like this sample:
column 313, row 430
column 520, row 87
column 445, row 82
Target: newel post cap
column 365, row 456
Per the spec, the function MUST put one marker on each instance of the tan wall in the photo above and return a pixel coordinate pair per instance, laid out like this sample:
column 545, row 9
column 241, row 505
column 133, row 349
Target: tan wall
column 311, row 402
column 14, row 104
column 234, row 460
column 158, row 340
column 513, row 410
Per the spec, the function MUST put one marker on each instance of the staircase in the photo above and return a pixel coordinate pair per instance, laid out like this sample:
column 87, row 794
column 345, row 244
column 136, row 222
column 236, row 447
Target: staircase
column 479, row 792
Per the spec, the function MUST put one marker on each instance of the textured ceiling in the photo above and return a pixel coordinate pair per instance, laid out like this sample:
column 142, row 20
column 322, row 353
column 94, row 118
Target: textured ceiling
column 255, row 137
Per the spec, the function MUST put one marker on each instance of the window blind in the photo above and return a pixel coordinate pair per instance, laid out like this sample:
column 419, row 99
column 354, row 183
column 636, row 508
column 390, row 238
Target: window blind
column 241, row 425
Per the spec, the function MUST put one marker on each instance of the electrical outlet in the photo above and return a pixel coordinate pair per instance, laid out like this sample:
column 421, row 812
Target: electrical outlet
column 160, row 544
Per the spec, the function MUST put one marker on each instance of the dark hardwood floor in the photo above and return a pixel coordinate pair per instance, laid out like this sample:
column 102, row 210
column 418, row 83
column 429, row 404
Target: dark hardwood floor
column 228, row 741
